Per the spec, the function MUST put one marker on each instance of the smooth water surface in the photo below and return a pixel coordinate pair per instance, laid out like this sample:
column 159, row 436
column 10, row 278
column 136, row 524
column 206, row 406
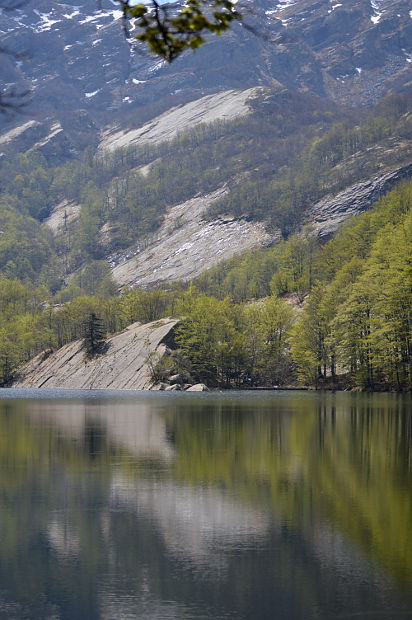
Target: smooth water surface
column 276, row 505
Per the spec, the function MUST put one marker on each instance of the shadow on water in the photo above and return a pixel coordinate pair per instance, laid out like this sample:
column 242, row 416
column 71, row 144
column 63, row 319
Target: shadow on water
column 281, row 505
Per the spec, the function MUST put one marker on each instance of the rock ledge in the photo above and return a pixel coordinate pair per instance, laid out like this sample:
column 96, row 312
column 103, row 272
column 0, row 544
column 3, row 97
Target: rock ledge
column 124, row 366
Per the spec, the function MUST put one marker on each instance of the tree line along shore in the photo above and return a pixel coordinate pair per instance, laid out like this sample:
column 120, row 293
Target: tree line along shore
column 333, row 315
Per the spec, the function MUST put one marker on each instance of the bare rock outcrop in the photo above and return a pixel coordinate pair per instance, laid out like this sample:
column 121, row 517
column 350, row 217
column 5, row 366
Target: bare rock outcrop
column 327, row 215
column 224, row 106
column 126, row 364
column 186, row 244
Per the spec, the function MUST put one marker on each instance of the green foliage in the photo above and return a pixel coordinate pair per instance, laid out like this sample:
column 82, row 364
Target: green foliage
column 168, row 35
column 234, row 345
column 93, row 279
column 26, row 249
column 146, row 306
column 296, row 271
column 317, row 160
column 265, row 330
column 22, row 332
column 357, row 320
column 31, row 321
column 355, row 326
column 289, row 152
column 208, row 338
column 93, row 335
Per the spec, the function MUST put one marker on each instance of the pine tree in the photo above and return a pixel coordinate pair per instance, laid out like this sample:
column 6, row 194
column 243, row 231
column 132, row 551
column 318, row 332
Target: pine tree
column 94, row 335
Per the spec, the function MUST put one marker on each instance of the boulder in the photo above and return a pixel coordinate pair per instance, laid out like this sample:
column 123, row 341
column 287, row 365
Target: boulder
column 198, row 387
column 176, row 379
column 160, row 387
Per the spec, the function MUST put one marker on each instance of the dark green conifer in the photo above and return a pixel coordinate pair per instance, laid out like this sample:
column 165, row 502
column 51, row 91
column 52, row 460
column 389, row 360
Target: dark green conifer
column 94, row 335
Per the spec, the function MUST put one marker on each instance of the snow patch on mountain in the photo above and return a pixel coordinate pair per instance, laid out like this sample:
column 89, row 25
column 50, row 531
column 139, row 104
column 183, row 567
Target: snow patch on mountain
column 285, row 4
column 46, row 22
column 377, row 11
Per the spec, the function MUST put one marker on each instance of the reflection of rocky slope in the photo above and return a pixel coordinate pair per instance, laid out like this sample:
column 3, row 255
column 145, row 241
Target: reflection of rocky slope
column 212, row 527
column 133, row 428
column 195, row 522
column 125, row 365
column 271, row 506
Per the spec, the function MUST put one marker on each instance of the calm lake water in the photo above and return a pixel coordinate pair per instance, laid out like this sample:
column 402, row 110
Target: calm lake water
column 275, row 505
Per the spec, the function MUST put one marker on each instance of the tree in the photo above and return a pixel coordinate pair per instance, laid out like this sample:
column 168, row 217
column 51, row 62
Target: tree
column 266, row 327
column 209, row 337
column 168, row 33
column 94, row 335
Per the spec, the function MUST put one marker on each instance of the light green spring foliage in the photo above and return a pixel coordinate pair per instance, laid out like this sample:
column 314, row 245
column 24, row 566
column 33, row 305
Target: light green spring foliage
column 352, row 326
column 32, row 321
column 168, row 32
column 230, row 344
column 358, row 318
column 355, row 326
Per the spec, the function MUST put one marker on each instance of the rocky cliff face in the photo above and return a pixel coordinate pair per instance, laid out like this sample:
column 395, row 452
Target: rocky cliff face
column 327, row 215
column 185, row 245
column 85, row 76
column 91, row 88
column 124, row 366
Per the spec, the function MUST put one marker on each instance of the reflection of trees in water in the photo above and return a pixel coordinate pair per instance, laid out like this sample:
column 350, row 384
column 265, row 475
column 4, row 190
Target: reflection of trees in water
column 95, row 438
column 334, row 470
column 345, row 459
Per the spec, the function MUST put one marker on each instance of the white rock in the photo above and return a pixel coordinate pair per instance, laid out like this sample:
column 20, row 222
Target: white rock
column 198, row 387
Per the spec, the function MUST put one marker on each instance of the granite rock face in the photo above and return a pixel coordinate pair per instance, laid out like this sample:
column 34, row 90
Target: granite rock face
column 186, row 244
column 126, row 364
column 327, row 215
column 85, row 76
column 224, row 106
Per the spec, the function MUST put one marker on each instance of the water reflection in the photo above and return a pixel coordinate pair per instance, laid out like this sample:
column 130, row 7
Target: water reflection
column 153, row 506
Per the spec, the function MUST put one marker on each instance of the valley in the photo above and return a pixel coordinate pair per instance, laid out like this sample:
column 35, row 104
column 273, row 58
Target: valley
column 205, row 309
column 224, row 173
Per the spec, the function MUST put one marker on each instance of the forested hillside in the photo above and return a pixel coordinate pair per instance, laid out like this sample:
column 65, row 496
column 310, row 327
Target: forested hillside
column 274, row 163
column 330, row 315
column 254, row 134
column 352, row 296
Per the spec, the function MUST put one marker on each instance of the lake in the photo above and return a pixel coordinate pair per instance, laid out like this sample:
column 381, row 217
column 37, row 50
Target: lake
column 260, row 505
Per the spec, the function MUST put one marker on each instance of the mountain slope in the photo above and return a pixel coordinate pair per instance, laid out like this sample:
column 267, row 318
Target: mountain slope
column 354, row 51
column 122, row 153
